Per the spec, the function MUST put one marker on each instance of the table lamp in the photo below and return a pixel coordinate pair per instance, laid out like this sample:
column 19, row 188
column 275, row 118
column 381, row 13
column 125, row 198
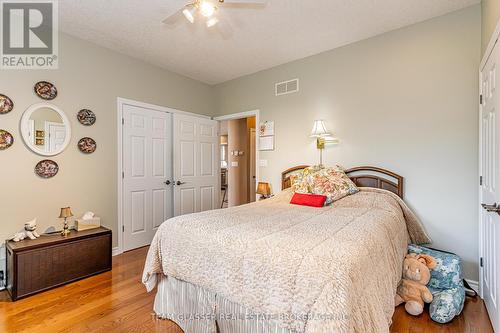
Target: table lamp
column 65, row 213
column 264, row 190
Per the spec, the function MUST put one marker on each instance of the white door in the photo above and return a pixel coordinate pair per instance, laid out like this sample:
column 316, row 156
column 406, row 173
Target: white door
column 147, row 174
column 489, row 191
column 56, row 135
column 196, row 164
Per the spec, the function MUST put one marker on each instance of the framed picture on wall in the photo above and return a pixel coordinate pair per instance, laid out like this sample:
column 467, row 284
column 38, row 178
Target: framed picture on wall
column 39, row 142
column 266, row 143
column 40, row 134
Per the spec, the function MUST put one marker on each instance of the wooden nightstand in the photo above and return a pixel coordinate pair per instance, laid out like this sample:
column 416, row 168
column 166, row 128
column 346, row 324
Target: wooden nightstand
column 53, row 260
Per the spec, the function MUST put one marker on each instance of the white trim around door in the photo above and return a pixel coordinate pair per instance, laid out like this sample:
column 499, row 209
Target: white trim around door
column 119, row 175
column 246, row 114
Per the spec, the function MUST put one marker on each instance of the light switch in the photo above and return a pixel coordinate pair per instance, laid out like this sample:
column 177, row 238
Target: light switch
column 234, row 164
column 263, row 163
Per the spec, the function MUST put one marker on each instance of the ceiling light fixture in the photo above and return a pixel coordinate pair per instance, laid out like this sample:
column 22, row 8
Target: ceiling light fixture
column 207, row 9
column 189, row 12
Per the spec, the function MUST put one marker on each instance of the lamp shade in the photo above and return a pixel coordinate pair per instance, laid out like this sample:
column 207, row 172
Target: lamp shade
column 263, row 189
column 223, row 139
column 319, row 129
column 65, row 212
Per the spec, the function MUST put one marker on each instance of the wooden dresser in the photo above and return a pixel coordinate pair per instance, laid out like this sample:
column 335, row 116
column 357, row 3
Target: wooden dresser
column 53, row 260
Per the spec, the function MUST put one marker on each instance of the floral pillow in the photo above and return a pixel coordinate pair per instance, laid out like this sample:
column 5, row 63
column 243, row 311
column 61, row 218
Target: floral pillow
column 332, row 182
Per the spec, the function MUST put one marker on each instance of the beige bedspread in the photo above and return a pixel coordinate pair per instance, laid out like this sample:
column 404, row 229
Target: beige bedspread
column 330, row 269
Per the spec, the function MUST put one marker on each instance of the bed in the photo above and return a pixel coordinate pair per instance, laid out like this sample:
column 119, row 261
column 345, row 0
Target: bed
column 275, row 267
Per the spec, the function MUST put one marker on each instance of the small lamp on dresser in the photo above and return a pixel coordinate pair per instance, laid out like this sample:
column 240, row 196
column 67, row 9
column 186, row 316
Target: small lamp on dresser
column 65, row 213
column 264, row 190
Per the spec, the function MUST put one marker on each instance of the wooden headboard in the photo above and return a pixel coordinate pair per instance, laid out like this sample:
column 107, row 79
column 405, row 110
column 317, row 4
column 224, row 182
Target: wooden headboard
column 364, row 176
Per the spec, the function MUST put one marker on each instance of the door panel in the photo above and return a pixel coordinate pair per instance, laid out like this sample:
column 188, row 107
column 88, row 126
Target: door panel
column 147, row 165
column 489, row 227
column 196, row 164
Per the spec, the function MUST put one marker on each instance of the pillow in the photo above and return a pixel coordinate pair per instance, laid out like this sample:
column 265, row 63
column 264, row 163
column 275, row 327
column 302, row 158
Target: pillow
column 333, row 183
column 312, row 200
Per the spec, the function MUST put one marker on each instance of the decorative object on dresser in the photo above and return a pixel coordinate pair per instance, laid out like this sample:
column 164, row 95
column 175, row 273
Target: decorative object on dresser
column 264, row 190
column 6, row 104
column 86, row 117
column 87, row 221
column 65, row 213
column 28, row 232
column 50, row 261
column 45, row 90
column 46, row 169
column 87, row 145
column 6, row 139
column 322, row 137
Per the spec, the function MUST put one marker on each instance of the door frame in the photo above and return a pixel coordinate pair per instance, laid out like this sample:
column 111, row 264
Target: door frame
column 246, row 114
column 120, row 103
column 491, row 45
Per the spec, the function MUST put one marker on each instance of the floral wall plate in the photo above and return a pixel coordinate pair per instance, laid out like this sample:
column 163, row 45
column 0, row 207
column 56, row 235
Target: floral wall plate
column 6, row 104
column 6, row 139
column 87, row 145
column 86, row 117
column 45, row 90
column 46, row 169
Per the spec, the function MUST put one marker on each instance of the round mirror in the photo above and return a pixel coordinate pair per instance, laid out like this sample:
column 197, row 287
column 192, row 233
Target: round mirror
column 45, row 129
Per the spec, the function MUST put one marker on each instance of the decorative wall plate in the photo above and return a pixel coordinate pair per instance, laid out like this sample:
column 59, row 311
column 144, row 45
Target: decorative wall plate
column 6, row 139
column 46, row 169
column 86, row 117
column 87, row 145
column 45, row 90
column 6, row 104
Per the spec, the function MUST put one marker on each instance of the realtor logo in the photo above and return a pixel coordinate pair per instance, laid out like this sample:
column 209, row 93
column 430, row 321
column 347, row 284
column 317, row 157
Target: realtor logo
column 29, row 38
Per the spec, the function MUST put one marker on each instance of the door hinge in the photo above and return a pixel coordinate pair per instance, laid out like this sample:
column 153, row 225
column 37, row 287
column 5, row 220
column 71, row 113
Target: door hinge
column 123, row 228
column 481, row 262
column 481, row 99
column 123, row 121
column 123, row 174
column 480, row 180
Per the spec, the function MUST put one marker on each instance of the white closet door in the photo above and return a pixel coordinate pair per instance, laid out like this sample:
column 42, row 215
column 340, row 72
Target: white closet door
column 147, row 167
column 490, row 188
column 196, row 164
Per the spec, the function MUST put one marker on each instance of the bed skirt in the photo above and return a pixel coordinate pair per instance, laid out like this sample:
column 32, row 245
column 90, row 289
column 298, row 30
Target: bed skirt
column 197, row 310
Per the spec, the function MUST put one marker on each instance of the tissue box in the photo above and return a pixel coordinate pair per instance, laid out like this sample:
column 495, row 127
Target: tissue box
column 92, row 223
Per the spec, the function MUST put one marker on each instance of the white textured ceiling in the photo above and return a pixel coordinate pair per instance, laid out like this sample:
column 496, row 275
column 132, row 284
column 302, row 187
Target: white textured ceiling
column 260, row 37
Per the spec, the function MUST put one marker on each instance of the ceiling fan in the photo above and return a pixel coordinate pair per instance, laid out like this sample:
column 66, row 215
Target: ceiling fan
column 207, row 9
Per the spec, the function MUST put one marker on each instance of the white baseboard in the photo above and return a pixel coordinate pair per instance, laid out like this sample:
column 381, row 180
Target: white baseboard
column 473, row 284
column 116, row 251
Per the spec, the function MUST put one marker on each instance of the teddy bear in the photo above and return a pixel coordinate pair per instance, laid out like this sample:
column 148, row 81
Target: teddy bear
column 413, row 287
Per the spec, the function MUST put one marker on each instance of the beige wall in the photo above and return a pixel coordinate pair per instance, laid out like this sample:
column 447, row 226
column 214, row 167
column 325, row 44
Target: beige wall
column 406, row 101
column 490, row 16
column 89, row 77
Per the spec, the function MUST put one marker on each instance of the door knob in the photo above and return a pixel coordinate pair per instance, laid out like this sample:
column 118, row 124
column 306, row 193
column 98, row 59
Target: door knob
column 167, row 182
column 179, row 183
column 492, row 208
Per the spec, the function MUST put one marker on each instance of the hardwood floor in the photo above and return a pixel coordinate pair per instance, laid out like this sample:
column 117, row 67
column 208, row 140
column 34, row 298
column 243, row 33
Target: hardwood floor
column 116, row 301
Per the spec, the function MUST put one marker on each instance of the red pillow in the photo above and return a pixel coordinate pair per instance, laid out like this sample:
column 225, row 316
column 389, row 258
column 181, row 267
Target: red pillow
column 313, row 200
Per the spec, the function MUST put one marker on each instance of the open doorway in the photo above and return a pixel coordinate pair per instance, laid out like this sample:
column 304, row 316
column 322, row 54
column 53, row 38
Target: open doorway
column 238, row 151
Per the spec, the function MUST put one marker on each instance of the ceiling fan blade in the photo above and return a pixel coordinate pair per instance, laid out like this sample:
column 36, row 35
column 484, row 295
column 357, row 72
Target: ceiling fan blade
column 172, row 15
column 224, row 29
